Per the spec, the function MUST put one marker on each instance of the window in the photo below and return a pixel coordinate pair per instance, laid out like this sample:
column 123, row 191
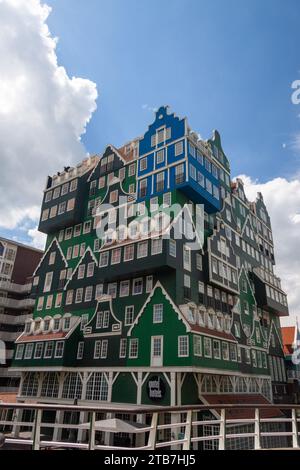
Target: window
column 45, row 214
column 81, row 271
column 75, row 251
column 124, row 288
column 80, row 349
column 172, row 248
column 232, row 352
column 84, row 320
column 103, row 261
column 73, row 185
column 48, row 196
column 19, row 351
column 133, row 348
column 69, row 298
column 56, row 324
column 160, row 181
column 28, row 351
column 97, row 349
column 158, row 313
column 143, row 188
column 201, row 179
column 183, row 346
column 112, row 289
column 102, row 320
column 104, row 348
column 154, row 204
column 99, row 290
column 187, row 281
column 197, row 345
column 129, row 315
column 38, row 351
column 137, row 287
column 113, row 197
column 143, row 164
column 87, row 226
column 62, row 207
column 149, row 284
column 199, row 261
column 237, row 329
column 88, row 293
column 156, row 246
column 167, row 199
column 131, row 170
column 225, row 351
column 58, row 300
column 128, row 252
column 56, row 192
column 71, row 204
column 178, row 148
column 77, row 230
column 59, row 349
column 142, row 249
column 79, row 295
column 40, row 303
column 90, row 269
column 160, row 157
column 193, row 172
column 216, row 349
column 69, row 232
column 48, row 282
column 123, row 347
column 96, row 244
column 186, row 258
column 207, row 347
column 49, row 350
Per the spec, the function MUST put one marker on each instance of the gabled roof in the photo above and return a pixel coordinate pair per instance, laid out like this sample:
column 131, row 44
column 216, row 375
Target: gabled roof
column 88, row 250
column 176, row 309
column 46, row 252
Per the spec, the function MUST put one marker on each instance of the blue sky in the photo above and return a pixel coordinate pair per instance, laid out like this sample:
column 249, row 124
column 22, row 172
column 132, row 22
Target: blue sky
column 227, row 65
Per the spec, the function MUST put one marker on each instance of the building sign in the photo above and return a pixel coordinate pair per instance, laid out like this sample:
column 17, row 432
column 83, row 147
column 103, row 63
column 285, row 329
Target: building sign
column 156, row 388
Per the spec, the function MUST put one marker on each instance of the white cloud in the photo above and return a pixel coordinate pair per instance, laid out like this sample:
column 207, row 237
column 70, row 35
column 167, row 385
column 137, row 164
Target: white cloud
column 38, row 238
column 282, row 198
column 149, row 108
column 43, row 112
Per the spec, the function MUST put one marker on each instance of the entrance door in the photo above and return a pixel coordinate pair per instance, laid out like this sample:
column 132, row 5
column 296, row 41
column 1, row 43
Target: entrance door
column 157, row 351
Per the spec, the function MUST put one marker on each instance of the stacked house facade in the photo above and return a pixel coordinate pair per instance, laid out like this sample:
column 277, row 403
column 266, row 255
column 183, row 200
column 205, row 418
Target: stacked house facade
column 17, row 263
column 157, row 285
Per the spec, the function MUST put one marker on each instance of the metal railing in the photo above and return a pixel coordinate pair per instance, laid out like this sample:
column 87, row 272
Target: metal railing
column 186, row 432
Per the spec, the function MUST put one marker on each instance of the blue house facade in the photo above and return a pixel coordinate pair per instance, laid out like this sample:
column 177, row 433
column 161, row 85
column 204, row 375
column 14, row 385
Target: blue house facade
column 171, row 157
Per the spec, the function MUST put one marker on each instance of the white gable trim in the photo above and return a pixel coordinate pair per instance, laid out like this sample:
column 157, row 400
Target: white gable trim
column 46, row 252
column 177, row 310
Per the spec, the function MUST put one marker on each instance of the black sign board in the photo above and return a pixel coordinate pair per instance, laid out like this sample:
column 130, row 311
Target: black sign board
column 156, row 388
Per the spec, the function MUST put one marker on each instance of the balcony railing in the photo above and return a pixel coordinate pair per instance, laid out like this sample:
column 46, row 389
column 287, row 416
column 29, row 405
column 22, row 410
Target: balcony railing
column 16, row 304
column 13, row 287
column 185, row 432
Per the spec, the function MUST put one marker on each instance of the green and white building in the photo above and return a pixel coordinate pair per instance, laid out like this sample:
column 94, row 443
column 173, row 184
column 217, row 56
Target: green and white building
column 157, row 285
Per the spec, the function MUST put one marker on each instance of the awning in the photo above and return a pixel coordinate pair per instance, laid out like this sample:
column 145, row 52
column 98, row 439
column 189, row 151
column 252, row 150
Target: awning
column 239, row 399
column 117, row 425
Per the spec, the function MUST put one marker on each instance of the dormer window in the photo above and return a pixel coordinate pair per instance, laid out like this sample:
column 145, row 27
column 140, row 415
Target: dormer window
column 27, row 327
column 67, row 323
column 56, row 324
column 46, row 325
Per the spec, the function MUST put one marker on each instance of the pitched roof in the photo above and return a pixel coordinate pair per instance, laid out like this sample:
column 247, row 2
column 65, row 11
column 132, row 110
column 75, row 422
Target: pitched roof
column 241, row 398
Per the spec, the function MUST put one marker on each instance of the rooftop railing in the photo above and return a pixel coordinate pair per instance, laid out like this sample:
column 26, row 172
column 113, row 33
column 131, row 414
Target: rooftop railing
column 189, row 430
